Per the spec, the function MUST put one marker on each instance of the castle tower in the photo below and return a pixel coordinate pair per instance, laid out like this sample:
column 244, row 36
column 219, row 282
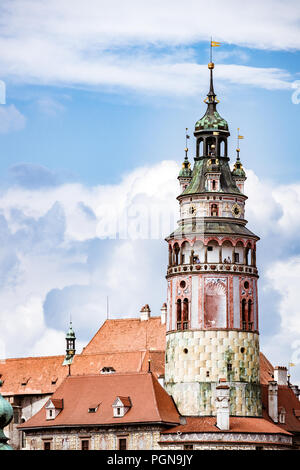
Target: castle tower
column 212, row 307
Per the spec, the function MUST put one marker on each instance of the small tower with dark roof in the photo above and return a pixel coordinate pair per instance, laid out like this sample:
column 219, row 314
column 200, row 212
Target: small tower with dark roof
column 238, row 172
column 185, row 174
column 70, row 347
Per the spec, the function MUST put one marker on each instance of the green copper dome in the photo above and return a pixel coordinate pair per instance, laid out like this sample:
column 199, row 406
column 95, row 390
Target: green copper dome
column 70, row 334
column 211, row 121
column 6, row 415
column 238, row 169
column 185, row 171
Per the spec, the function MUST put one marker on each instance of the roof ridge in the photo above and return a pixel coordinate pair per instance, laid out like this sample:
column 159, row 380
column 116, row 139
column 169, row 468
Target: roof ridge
column 2, row 361
column 115, row 374
column 154, row 395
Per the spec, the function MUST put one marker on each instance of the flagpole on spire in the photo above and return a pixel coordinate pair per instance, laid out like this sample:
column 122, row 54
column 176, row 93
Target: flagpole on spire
column 186, row 144
column 238, row 139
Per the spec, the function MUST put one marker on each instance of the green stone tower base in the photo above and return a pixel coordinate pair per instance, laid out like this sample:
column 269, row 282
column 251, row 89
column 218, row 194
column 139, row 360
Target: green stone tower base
column 196, row 361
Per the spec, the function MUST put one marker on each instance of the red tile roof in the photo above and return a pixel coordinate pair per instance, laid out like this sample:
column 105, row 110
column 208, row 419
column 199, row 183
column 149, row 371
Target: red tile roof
column 243, row 425
column 287, row 400
column 57, row 403
column 128, row 334
column 150, row 402
column 266, row 370
column 125, row 400
column 43, row 371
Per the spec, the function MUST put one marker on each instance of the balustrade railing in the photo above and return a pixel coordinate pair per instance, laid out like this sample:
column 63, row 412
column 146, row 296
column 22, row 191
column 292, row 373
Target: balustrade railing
column 235, row 267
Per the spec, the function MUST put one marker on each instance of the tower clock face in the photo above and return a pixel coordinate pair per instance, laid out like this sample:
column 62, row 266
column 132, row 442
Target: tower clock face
column 192, row 210
column 236, row 210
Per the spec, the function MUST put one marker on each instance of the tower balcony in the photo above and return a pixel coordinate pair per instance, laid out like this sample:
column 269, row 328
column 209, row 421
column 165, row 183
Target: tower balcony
column 212, row 267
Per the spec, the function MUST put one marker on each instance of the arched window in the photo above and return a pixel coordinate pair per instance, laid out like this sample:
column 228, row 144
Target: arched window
column 244, row 321
column 176, row 253
column 247, row 252
column 222, row 149
column 200, row 148
column 179, row 314
column 182, row 314
column 170, row 255
column 214, row 185
column 250, row 322
column 185, row 314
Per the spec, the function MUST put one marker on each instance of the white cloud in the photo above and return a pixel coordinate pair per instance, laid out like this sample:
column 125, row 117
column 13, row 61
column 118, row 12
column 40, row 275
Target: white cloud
column 58, row 267
column 135, row 44
column 11, row 119
column 50, row 106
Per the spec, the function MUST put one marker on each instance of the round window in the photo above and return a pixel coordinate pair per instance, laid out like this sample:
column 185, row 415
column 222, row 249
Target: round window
column 185, row 350
column 246, row 285
column 182, row 284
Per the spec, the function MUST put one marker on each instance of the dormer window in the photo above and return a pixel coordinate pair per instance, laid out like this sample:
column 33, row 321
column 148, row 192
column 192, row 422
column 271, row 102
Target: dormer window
column 281, row 415
column 93, row 408
column 53, row 408
column 121, row 406
column 107, row 370
column 25, row 381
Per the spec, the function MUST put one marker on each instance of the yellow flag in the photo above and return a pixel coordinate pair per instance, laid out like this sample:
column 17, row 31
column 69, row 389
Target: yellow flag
column 215, row 44
column 240, row 137
column 291, row 364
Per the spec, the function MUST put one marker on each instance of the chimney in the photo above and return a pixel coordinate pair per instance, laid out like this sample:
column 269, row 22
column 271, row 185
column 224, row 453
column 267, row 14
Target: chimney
column 280, row 375
column 273, row 400
column 145, row 312
column 222, row 406
column 163, row 315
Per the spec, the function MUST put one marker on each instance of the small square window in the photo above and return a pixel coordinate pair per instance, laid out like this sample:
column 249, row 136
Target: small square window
column 122, row 444
column 47, row 445
column 85, row 444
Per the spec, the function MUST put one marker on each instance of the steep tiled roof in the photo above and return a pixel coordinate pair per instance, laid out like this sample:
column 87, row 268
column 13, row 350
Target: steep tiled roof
column 266, row 370
column 128, row 334
column 287, row 400
column 43, row 374
column 150, row 402
column 208, row 424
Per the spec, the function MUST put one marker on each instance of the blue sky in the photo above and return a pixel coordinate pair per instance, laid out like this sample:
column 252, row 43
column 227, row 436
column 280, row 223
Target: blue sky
column 97, row 102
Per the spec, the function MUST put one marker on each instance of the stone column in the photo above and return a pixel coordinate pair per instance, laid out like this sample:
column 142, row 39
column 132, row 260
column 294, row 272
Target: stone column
column 220, row 254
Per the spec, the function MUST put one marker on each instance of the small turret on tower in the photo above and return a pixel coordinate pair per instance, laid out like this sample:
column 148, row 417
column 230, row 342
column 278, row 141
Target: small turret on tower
column 185, row 174
column 238, row 172
column 70, row 347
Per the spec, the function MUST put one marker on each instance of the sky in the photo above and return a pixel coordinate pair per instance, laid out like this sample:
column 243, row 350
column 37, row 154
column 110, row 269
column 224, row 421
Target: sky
column 95, row 99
